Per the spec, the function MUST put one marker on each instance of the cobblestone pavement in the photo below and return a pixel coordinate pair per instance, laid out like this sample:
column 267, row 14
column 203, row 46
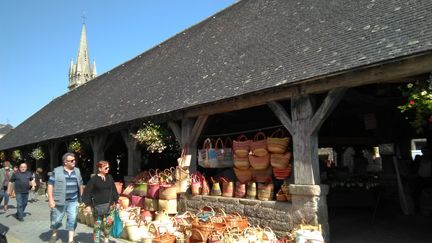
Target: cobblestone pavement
column 35, row 227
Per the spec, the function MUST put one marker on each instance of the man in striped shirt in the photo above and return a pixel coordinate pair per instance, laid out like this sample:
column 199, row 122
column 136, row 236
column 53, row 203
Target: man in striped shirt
column 64, row 194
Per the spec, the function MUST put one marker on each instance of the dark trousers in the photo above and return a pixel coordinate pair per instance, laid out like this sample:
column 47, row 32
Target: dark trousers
column 22, row 199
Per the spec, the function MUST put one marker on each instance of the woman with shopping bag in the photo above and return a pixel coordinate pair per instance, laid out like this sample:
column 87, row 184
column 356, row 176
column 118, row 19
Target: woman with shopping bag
column 100, row 195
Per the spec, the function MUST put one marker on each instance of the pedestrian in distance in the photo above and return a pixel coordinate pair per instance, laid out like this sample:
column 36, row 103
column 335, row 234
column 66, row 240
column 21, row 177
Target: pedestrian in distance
column 100, row 194
column 23, row 182
column 64, row 193
column 5, row 174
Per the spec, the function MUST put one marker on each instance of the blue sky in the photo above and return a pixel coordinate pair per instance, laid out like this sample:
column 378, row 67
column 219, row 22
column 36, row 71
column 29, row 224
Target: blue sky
column 39, row 38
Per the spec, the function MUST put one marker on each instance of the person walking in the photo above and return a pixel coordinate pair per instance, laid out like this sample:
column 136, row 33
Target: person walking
column 64, row 193
column 23, row 182
column 101, row 195
column 5, row 174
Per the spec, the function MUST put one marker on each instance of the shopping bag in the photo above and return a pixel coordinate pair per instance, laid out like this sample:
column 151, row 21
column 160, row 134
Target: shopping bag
column 207, row 156
column 117, row 227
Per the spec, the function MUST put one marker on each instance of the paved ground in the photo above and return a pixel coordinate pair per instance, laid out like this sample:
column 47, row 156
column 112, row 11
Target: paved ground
column 346, row 226
column 357, row 225
column 35, row 227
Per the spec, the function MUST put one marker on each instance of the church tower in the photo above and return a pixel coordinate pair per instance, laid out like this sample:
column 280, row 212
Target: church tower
column 82, row 71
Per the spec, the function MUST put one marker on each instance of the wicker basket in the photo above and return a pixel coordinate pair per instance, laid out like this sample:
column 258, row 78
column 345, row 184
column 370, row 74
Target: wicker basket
column 259, row 145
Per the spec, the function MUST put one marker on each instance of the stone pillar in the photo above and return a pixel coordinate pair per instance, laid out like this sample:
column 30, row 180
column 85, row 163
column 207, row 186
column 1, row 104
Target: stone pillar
column 309, row 205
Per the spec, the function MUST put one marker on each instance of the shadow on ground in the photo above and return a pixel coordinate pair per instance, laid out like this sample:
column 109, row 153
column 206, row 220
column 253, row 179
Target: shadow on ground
column 352, row 225
column 62, row 236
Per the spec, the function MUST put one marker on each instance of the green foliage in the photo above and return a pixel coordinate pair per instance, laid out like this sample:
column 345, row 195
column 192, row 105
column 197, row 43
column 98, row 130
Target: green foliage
column 418, row 108
column 2, row 155
column 37, row 153
column 152, row 136
column 75, row 146
column 16, row 154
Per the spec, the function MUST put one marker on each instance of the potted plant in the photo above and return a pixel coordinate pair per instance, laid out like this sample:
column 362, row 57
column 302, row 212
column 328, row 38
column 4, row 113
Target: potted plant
column 37, row 153
column 152, row 137
column 75, row 146
column 418, row 108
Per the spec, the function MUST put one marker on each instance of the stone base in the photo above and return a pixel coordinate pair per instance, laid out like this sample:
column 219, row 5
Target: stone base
column 308, row 205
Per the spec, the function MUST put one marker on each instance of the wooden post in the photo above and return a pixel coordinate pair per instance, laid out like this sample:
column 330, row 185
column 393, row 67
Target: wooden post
column 53, row 154
column 134, row 153
column 188, row 135
column 97, row 143
column 304, row 125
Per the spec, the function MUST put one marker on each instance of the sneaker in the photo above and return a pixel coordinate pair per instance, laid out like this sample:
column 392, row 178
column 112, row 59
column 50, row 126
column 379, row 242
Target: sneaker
column 5, row 208
column 21, row 220
column 53, row 239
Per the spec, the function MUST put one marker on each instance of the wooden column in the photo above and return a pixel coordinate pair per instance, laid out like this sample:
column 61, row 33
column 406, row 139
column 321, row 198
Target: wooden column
column 188, row 134
column 134, row 153
column 53, row 148
column 97, row 143
column 304, row 124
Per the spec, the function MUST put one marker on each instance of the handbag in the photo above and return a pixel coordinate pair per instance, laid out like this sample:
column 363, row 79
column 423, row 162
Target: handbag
column 207, row 156
column 117, row 227
column 102, row 209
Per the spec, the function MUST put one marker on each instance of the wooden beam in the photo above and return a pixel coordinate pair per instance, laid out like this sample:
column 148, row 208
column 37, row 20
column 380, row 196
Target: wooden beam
column 330, row 102
column 175, row 128
column 385, row 72
column 197, row 129
column 282, row 115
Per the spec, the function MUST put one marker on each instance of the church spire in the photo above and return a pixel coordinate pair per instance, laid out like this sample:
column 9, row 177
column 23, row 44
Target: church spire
column 82, row 71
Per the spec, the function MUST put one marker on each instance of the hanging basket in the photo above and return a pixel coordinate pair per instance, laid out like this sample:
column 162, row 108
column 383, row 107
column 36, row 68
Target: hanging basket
column 241, row 146
column 282, row 174
column 243, row 175
column 241, row 163
column 259, row 163
column 277, row 143
column 259, row 145
column 280, row 161
column 262, row 175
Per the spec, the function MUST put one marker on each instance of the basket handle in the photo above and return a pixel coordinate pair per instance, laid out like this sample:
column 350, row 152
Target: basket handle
column 242, row 138
column 219, row 141
column 207, row 144
column 279, row 133
column 258, row 135
column 228, row 142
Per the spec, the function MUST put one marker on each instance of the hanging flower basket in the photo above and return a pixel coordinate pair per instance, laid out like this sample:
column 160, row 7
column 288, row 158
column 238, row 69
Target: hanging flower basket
column 16, row 154
column 2, row 155
column 152, row 137
column 37, row 153
column 418, row 108
column 75, row 146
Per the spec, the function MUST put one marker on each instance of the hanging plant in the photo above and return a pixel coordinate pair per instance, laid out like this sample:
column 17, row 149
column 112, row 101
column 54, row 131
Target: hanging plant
column 75, row 146
column 37, row 153
column 152, row 137
column 16, row 154
column 418, row 107
column 2, row 155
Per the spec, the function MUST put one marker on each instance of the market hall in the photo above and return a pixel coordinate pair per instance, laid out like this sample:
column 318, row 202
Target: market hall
column 316, row 70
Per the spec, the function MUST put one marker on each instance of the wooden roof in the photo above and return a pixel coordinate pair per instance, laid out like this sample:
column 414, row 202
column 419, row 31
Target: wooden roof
column 251, row 46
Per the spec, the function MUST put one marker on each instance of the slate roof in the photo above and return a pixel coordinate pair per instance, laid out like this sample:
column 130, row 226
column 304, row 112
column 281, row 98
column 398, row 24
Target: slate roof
column 250, row 46
column 4, row 129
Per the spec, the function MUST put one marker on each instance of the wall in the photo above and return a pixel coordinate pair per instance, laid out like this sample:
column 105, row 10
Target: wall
column 308, row 204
